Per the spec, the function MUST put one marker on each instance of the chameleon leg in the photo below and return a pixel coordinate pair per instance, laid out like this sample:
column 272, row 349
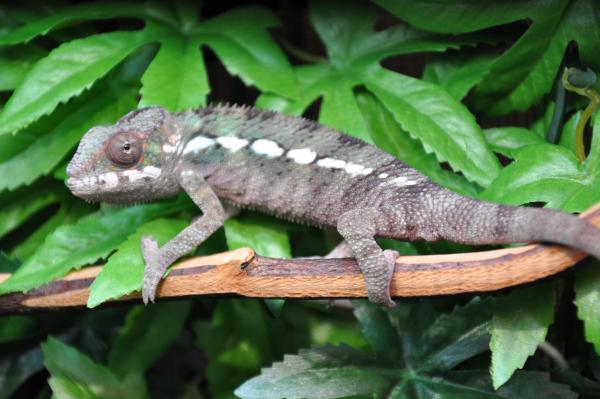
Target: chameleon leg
column 358, row 227
column 159, row 259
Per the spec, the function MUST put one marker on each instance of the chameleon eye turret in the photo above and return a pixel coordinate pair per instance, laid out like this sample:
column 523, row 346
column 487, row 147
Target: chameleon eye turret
column 125, row 149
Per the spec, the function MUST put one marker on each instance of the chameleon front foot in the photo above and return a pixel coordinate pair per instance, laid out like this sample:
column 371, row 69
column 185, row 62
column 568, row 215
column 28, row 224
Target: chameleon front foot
column 154, row 269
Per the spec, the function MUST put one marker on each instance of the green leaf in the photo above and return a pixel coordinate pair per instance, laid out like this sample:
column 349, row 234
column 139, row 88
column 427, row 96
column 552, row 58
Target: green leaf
column 332, row 23
column 432, row 344
column 579, row 383
column 242, row 337
column 354, row 49
column 95, row 10
column 69, row 212
column 378, row 330
column 267, row 239
column 587, row 299
column 582, row 24
column 241, row 41
column 75, row 375
column 48, row 150
column 526, row 71
column 64, row 73
column 325, row 373
column 342, row 372
column 450, row 338
column 17, row 328
column 458, row 16
column 523, row 385
column 123, row 272
column 17, row 367
column 541, row 172
column 11, row 145
column 148, row 332
column 552, row 174
column 520, row 324
column 390, row 137
column 176, row 79
column 346, row 29
column 73, row 246
column 442, row 124
column 25, row 203
column 506, row 140
column 458, row 72
column 340, row 110
column 15, row 63
column 567, row 136
column 8, row 265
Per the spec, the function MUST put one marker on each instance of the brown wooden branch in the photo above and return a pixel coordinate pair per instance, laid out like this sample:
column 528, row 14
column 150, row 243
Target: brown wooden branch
column 243, row 273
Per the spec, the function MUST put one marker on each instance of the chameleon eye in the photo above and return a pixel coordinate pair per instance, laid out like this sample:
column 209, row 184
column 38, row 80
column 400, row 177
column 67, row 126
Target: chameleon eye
column 124, row 148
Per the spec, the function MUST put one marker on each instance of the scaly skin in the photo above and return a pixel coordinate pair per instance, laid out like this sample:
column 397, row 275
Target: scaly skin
column 298, row 170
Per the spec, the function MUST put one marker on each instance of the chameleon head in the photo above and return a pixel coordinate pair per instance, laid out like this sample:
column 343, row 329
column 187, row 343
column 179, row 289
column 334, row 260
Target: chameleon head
column 125, row 163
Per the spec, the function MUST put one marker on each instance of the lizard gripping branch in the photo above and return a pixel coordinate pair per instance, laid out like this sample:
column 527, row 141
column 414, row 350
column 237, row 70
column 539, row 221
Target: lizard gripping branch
column 295, row 169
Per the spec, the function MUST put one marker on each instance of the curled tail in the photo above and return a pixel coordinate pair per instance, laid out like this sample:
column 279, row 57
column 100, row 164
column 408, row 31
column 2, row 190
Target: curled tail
column 468, row 221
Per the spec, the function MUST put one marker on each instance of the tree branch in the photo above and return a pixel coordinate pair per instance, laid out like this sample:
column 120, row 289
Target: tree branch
column 243, row 273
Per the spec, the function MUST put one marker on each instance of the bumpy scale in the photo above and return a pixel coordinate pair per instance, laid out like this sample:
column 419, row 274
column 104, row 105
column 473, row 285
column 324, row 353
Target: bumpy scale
column 295, row 169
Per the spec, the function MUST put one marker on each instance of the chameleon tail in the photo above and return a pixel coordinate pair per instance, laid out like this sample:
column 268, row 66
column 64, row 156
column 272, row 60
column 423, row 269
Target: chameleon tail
column 549, row 225
column 474, row 222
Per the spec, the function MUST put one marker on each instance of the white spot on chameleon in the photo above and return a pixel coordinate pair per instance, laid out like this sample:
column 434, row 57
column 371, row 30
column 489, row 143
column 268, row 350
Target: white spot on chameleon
column 331, row 163
column 400, row 181
column 302, row 156
column 110, row 180
column 169, row 148
column 267, row 147
column 83, row 181
column 383, row 175
column 134, row 175
column 198, row 143
column 354, row 169
column 152, row 171
column 149, row 171
column 232, row 143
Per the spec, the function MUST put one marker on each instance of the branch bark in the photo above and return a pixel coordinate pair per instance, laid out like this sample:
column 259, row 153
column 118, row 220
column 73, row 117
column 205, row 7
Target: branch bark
column 243, row 273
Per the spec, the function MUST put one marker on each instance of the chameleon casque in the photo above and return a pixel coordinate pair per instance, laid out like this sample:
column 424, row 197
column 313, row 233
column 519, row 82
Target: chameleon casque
column 296, row 169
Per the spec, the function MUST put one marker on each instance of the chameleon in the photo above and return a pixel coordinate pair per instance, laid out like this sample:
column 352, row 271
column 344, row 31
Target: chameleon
column 228, row 156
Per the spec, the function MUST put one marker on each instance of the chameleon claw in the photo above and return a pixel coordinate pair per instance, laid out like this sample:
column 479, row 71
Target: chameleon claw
column 149, row 286
column 379, row 279
column 390, row 257
column 145, row 297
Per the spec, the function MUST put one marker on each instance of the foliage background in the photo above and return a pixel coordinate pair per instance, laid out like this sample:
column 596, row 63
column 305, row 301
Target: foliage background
column 466, row 92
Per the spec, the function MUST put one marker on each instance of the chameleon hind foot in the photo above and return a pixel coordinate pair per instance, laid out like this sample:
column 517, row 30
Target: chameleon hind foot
column 154, row 269
column 358, row 227
column 378, row 287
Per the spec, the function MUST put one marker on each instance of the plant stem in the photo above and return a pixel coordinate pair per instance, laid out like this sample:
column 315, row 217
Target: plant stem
column 594, row 104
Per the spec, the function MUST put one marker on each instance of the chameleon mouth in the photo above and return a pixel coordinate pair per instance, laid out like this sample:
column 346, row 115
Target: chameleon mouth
column 85, row 184
column 79, row 186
